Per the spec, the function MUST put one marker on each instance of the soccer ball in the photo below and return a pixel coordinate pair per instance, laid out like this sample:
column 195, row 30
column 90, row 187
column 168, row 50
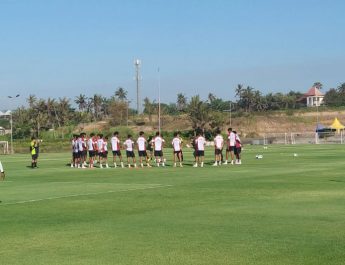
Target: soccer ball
column 295, row 155
column 259, row 156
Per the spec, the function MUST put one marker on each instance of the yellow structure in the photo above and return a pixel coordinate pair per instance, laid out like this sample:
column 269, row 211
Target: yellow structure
column 337, row 125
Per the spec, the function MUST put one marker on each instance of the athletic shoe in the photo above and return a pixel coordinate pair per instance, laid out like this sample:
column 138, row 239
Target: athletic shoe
column 195, row 165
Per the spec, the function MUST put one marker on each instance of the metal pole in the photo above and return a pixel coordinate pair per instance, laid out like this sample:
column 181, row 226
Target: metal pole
column 159, row 101
column 230, row 113
column 11, row 122
column 127, row 111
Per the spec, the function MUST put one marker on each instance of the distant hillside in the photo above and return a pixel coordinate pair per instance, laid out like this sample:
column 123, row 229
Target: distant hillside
column 246, row 125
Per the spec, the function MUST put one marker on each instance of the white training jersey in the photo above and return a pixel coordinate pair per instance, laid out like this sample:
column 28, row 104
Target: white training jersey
column 115, row 143
column 75, row 147
column 90, row 144
column 105, row 146
column 232, row 139
column 200, row 143
column 100, row 144
column 141, row 143
column 129, row 145
column 218, row 141
column 176, row 143
column 158, row 143
column 80, row 144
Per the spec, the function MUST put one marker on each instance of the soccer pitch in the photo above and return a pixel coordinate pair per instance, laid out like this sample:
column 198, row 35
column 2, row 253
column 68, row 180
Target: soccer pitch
column 282, row 209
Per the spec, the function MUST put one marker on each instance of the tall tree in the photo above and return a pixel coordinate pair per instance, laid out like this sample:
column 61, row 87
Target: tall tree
column 81, row 100
column 31, row 100
column 318, row 85
column 149, row 108
column 198, row 112
column 121, row 94
column 181, row 103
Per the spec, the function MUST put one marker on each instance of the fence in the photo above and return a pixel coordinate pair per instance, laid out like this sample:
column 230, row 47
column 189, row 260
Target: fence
column 300, row 138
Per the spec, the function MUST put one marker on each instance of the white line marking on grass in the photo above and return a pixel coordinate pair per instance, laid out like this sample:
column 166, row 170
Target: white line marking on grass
column 85, row 194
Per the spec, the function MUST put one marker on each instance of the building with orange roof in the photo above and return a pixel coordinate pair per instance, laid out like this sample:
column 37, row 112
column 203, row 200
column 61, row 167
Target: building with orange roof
column 313, row 98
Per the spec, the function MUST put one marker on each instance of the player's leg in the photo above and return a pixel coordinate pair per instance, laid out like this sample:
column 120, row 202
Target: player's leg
column 179, row 156
column 2, row 172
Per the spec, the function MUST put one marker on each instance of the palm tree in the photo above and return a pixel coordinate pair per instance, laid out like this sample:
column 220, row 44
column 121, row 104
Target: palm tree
column 121, row 94
column 149, row 108
column 81, row 100
column 318, row 85
column 181, row 102
column 97, row 104
column 198, row 112
column 31, row 100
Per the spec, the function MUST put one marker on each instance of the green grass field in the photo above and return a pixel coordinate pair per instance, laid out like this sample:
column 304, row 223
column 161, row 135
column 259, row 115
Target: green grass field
column 277, row 210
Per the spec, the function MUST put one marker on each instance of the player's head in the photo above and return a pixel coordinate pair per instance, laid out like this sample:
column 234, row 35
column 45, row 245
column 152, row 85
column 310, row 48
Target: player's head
column 141, row 133
column 92, row 135
column 229, row 129
column 116, row 133
column 106, row 138
column 100, row 135
column 157, row 133
column 198, row 132
column 218, row 131
column 129, row 136
column 234, row 132
column 175, row 134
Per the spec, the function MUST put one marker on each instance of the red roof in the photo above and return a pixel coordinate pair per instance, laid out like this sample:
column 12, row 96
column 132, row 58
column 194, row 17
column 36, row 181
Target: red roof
column 313, row 91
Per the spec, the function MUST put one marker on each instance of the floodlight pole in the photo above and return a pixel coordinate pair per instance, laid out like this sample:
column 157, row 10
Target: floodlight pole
column 11, row 122
column 230, row 113
column 159, row 101
column 137, row 64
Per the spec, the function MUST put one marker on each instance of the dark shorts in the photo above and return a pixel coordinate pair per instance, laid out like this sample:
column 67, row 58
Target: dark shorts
column 231, row 148
column 159, row 153
column 76, row 155
column 105, row 154
column 117, row 153
column 142, row 153
column 217, row 151
column 200, row 153
column 34, row 157
column 238, row 150
column 178, row 152
column 92, row 153
column 130, row 154
column 84, row 153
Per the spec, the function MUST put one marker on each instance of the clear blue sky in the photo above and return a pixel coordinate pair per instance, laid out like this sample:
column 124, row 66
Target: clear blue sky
column 67, row 47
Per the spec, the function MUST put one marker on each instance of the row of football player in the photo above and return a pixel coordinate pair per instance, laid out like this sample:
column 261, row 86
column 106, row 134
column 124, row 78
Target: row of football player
column 96, row 146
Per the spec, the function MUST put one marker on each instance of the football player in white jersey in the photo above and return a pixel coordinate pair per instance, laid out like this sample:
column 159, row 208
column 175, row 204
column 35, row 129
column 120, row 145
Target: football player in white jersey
column 92, row 147
column 141, row 144
column 200, row 142
column 218, row 148
column 177, row 146
column 104, row 153
column 158, row 143
column 116, row 148
column 100, row 149
column 129, row 144
column 230, row 146
column 238, row 149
